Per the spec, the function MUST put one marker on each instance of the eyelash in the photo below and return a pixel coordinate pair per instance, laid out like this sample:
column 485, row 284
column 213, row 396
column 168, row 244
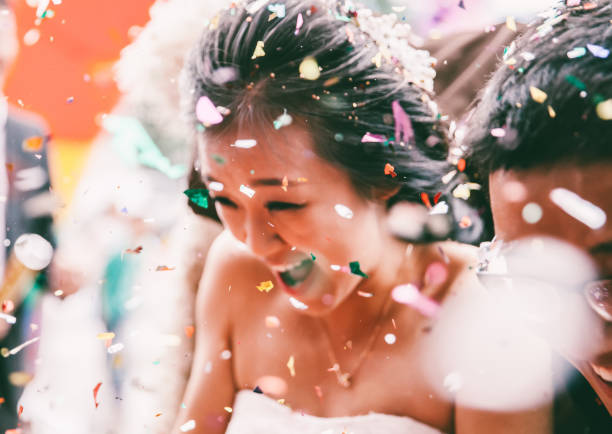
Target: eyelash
column 272, row 206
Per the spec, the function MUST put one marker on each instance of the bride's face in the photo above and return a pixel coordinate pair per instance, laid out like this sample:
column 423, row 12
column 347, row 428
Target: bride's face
column 296, row 211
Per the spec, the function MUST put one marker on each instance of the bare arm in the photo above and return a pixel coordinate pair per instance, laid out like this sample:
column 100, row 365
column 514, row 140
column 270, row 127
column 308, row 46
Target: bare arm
column 211, row 384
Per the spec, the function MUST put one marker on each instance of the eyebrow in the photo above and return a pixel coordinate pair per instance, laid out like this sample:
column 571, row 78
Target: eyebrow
column 266, row 182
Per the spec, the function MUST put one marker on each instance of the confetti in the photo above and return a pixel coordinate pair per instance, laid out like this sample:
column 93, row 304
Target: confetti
column 245, row 143
column 105, row 336
column 355, row 269
column 449, row 176
column 498, row 132
column 465, row 222
column 31, row 37
column 272, row 322
column 551, row 112
column 115, row 348
column 190, row 424
column 164, row 268
column 19, row 378
column 258, row 390
column 598, row 51
column 278, row 9
column 8, row 306
column 207, row 113
column 581, row 209
column 461, row 165
column 574, row 81
column 247, row 191
column 373, row 138
column 604, row 110
column 70, row 100
column 189, row 331
column 10, row 319
column 22, row 346
column 461, row 4
column 259, row 50
column 291, row 366
column 410, row 295
column 33, row 144
column 390, row 338
column 309, row 69
column 95, row 394
column 439, row 208
column 425, row 200
column 135, row 251
column 343, row 211
column 225, row 355
column 537, row 95
column 284, row 183
column 314, row 258
column 532, row 213
column 577, row 52
column 283, row 120
column 33, row 251
column 265, row 286
column 390, row 170
column 511, row 23
column 299, row 23
column 403, row 126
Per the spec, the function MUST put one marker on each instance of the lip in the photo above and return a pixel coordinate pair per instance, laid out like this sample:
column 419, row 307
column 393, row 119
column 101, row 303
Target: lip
column 300, row 289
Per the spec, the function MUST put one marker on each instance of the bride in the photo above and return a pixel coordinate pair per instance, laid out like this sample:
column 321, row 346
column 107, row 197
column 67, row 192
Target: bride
column 313, row 118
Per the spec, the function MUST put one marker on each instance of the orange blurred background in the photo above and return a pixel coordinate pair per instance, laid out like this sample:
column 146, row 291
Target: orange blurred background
column 64, row 72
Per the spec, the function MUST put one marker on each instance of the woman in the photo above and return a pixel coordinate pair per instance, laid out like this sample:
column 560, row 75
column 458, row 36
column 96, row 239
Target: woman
column 297, row 105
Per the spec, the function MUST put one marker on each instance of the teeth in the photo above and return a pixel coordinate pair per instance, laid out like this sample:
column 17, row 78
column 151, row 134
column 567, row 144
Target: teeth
column 287, row 267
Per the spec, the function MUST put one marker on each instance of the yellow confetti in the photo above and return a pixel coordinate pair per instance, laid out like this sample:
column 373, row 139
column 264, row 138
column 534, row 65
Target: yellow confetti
column 309, row 69
column 604, row 110
column 377, row 60
column 228, row 409
column 285, row 183
column 551, row 112
column 511, row 23
column 259, row 50
column 291, row 366
column 19, row 378
column 538, row 95
column 265, row 286
column 33, row 144
column 105, row 336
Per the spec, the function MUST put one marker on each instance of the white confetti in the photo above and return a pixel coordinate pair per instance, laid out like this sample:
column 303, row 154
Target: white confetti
column 255, row 6
column 344, row 211
column 226, row 355
column 215, row 186
column 33, row 251
column 283, row 120
column 498, row 132
column 188, row 426
column 577, row 52
column 439, row 208
column 532, row 213
column 390, row 338
column 579, row 208
column 245, row 143
column 115, row 348
column 10, row 319
column 248, row 191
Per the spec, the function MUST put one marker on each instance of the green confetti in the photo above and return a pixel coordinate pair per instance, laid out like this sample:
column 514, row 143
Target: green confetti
column 198, row 196
column 218, row 159
column 314, row 258
column 575, row 82
column 356, row 270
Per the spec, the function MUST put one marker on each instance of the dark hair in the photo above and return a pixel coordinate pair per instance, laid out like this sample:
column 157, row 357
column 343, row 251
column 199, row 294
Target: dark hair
column 565, row 127
column 351, row 97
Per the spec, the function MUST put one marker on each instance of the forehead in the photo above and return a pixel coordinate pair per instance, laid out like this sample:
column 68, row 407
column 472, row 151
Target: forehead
column 257, row 152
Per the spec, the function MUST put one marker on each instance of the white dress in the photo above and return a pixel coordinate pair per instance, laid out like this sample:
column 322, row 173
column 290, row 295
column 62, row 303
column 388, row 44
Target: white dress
column 254, row 413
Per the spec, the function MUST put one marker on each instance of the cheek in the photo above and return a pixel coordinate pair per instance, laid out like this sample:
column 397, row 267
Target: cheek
column 232, row 220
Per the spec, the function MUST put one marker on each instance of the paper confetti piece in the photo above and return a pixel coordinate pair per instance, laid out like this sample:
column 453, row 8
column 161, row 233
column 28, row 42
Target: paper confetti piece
column 105, row 336
column 598, row 51
column 95, row 394
column 244, row 143
column 437, row 197
column 410, row 295
column 498, row 132
column 343, row 211
column 461, row 165
column 207, row 113
column 403, row 126
column 283, row 120
column 574, row 81
column 461, row 4
column 272, row 322
column 581, row 209
column 373, row 138
column 291, row 366
column 577, row 52
column 537, row 95
column 265, row 286
column 465, row 222
column 190, row 424
column 604, row 110
column 299, row 23
column 390, row 170
column 247, row 191
column 551, row 112
column 425, row 200
column 164, row 268
column 198, row 196
column 189, row 331
column 10, row 319
column 33, row 144
column 278, row 9
column 355, row 269
column 309, row 69
column 532, row 213
column 135, row 251
column 19, row 378
column 259, row 50
column 511, row 23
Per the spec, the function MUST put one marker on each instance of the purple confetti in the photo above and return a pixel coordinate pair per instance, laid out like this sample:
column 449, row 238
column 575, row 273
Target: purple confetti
column 598, row 51
column 403, row 127
column 373, row 138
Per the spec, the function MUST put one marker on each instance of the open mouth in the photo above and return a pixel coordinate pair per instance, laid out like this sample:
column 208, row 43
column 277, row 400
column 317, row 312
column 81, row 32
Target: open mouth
column 298, row 273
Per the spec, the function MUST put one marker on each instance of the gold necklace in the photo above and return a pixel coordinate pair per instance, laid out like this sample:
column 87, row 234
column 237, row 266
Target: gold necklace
column 345, row 378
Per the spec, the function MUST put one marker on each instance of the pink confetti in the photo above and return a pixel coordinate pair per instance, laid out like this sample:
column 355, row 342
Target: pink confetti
column 299, row 24
column 436, row 274
column 498, row 132
column 207, row 113
column 403, row 126
column 373, row 138
column 573, row 3
column 410, row 295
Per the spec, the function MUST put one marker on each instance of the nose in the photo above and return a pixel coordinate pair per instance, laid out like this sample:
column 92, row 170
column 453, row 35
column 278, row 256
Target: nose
column 260, row 236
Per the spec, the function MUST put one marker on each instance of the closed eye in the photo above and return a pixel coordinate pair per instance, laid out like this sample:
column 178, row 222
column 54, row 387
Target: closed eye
column 225, row 201
column 284, row 206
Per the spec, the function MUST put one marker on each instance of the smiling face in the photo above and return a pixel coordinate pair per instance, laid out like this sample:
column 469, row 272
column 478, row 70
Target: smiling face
column 288, row 206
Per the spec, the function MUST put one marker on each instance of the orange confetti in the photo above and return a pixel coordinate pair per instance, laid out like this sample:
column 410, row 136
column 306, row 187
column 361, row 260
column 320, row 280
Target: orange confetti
column 265, row 286
column 437, row 197
column 164, row 268
column 1, row 400
column 390, row 170
column 158, row 415
column 20, row 411
column 33, row 144
column 95, row 394
column 465, row 222
column 461, row 165
column 189, row 331
column 425, row 199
